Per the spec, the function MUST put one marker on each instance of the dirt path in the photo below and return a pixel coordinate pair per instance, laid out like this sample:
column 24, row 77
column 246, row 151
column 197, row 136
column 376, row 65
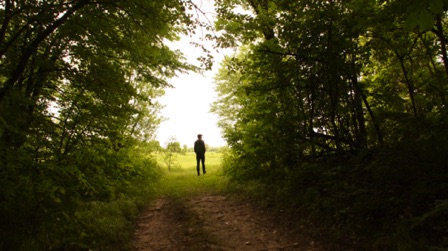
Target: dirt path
column 213, row 222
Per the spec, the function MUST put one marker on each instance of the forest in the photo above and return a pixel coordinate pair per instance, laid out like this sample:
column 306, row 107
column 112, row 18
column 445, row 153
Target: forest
column 333, row 110
column 78, row 80
column 338, row 110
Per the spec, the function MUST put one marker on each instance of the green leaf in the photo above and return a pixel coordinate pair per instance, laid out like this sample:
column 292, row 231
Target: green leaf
column 426, row 20
column 436, row 6
column 412, row 21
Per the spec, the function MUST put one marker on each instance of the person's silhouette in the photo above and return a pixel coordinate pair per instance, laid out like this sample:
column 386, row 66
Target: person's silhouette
column 199, row 149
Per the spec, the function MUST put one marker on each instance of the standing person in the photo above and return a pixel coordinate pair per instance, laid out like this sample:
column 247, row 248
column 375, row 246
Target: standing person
column 199, row 149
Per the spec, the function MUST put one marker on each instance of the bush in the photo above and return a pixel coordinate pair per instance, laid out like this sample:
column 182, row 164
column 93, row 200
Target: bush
column 390, row 198
column 89, row 204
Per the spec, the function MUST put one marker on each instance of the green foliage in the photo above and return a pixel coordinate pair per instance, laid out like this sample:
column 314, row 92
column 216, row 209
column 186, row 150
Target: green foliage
column 386, row 202
column 421, row 13
column 337, row 110
column 169, row 153
column 81, row 208
column 77, row 84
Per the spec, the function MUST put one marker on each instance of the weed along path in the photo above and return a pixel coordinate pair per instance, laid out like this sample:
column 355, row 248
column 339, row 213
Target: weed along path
column 194, row 213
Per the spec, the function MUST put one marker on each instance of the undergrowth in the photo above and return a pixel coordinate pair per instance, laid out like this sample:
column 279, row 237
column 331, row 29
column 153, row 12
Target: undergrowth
column 392, row 198
column 104, row 217
column 99, row 218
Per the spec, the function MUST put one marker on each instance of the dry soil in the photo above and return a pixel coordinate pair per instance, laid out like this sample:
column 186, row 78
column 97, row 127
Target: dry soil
column 215, row 222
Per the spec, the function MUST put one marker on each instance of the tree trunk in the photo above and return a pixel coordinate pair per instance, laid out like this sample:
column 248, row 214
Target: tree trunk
column 442, row 41
column 409, row 84
column 369, row 109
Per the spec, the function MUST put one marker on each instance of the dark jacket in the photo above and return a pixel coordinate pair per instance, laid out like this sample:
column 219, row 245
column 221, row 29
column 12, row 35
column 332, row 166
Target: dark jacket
column 199, row 146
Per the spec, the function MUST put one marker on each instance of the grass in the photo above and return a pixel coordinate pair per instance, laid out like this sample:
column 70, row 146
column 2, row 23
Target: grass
column 182, row 180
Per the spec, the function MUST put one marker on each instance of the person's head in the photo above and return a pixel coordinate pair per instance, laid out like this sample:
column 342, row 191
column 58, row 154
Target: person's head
column 199, row 136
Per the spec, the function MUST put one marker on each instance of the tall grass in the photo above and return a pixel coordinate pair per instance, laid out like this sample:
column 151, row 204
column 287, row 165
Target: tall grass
column 182, row 180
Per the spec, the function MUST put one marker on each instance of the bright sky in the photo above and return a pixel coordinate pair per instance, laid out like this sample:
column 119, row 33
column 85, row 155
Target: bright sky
column 187, row 105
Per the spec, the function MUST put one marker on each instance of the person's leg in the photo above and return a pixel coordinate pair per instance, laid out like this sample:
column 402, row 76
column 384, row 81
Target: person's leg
column 197, row 164
column 203, row 164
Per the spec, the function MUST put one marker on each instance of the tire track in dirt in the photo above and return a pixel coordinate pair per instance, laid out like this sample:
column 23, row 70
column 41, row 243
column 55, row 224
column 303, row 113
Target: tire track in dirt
column 214, row 222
